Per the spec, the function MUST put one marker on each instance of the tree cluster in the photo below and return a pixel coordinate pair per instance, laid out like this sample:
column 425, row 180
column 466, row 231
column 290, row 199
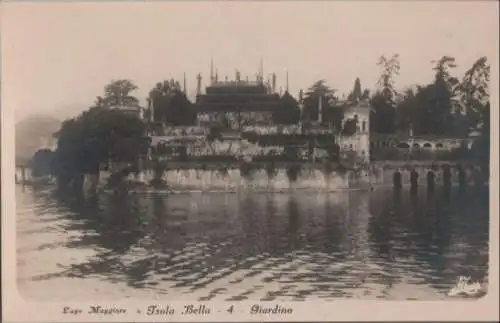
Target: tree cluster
column 97, row 136
column 447, row 106
column 170, row 105
column 321, row 95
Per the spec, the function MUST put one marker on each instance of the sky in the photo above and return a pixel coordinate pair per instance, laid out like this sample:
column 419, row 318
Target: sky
column 58, row 56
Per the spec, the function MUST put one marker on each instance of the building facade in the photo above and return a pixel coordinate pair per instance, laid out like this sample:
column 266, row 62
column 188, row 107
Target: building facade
column 359, row 142
column 236, row 104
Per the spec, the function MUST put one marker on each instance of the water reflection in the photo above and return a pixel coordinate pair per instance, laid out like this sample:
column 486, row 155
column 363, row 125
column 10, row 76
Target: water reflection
column 292, row 246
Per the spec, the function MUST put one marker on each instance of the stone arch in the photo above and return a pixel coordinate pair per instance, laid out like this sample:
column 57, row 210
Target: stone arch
column 427, row 145
column 439, row 145
column 403, row 145
column 416, row 145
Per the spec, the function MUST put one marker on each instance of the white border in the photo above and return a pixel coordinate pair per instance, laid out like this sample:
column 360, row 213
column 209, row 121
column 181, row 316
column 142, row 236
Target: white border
column 17, row 309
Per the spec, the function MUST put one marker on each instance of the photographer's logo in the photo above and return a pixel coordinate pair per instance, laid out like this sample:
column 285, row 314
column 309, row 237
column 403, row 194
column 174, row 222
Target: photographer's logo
column 465, row 287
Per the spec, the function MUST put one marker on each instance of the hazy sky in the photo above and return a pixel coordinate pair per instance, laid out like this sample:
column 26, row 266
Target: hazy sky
column 56, row 57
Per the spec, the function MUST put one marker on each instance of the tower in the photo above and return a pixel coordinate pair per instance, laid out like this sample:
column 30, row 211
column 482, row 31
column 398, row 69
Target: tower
column 360, row 140
column 198, row 84
column 286, row 89
column 211, row 70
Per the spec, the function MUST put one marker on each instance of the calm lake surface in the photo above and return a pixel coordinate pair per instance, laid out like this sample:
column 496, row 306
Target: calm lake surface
column 280, row 247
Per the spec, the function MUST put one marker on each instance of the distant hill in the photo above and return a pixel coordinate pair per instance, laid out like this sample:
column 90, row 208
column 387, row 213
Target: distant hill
column 32, row 134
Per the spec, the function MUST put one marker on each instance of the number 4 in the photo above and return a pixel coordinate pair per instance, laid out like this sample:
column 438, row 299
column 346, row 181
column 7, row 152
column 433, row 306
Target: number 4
column 230, row 309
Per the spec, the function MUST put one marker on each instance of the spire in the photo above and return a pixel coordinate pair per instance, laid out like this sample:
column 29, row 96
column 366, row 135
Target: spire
column 286, row 80
column 211, row 69
column 261, row 70
column 274, row 83
column 216, row 75
column 198, row 84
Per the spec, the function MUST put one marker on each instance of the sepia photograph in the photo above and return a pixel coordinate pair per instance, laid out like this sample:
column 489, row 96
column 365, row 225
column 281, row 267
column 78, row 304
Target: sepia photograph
column 216, row 161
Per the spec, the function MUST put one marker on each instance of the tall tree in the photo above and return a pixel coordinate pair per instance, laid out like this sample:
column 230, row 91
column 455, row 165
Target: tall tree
column 474, row 92
column 442, row 102
column 329, row 102
column 406, row 111
column 356, row 93
column 389, row 70
column 475, row 104
column 288, row 111
column 180, row 110
column 118, row 93
column 383, row 115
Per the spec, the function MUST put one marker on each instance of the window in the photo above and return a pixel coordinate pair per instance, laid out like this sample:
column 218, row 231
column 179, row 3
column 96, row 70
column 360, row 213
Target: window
column 363, row 126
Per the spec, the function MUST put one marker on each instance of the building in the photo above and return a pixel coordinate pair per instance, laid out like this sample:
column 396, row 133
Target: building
column 359, row 142
column 237, row 103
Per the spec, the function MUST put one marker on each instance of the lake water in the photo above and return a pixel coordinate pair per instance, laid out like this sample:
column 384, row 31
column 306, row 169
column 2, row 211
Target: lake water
column 219, row 246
